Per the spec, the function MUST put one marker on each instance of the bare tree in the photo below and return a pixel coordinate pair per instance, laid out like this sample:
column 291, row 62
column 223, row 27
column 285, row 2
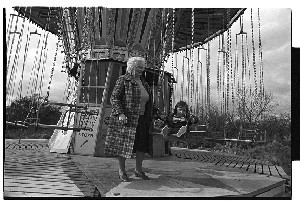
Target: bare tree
column 251, row 105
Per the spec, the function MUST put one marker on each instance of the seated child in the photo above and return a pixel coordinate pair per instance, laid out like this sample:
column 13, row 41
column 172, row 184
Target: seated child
column 178, row 121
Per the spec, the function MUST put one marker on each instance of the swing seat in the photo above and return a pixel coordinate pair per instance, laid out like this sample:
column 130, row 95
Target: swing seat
column 17, row 124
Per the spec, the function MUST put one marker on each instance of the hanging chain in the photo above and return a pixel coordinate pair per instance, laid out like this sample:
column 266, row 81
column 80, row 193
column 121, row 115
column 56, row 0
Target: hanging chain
column 33, row 68
column 10, row 22
column 13, row 40
column 187, row 89
column 44, row 44
column 236, row 67
column 45, row 57
column 197, row 85
column 52, row 69
column 260, row 57
column 223, row 77
column 253, row 53
column 228, row 54
column 202, row 91
column 25, row 57
column 182, row 83
column 208, row 77
column 154, row 69
column 228, row 73
column 173, row 41
column 160, row 79
column 243, row 66
column 231, row 73
column 218, row 73
column 14, row 69
column 248, row 65
column 192, row 58
column 43, row 69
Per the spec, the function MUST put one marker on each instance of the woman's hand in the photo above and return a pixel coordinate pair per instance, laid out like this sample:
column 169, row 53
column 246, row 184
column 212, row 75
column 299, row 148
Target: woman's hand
column 122, row 118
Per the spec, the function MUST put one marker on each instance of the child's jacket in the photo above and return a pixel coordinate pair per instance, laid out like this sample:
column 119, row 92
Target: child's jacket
column 173, row 121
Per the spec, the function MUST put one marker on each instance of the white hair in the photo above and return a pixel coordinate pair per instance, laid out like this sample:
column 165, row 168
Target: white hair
column 133, row 63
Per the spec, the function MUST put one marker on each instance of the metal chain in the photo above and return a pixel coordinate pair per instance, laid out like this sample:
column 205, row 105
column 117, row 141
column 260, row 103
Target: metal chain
column 52, row 69
column 228, row 73
column 25, row 57
column 182, row 83
column 208, row 77
column 33, row 68
column 218, row 73
column 228, row 53
column 14, row 69
column 248, row 65
column 231, row 73
column 260, row 56
column 197, row 85
column 13, row 40
column 253, row 53
column 173, row 41
column 236, row 67
column 192, row 58
column 44, row 44
column 160, row 75
column 243, row 66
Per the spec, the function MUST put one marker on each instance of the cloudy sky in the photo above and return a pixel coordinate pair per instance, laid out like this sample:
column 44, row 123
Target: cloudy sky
column 276, row 42
column 276, row 52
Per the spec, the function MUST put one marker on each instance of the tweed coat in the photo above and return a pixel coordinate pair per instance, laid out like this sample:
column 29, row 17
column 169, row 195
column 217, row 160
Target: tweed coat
column 126, row 99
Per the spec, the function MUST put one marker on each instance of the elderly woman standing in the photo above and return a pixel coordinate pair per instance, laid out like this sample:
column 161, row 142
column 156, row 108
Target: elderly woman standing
column 130, row 118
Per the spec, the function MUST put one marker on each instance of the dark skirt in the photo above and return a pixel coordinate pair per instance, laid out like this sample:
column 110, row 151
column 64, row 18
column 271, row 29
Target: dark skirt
column 141, row 141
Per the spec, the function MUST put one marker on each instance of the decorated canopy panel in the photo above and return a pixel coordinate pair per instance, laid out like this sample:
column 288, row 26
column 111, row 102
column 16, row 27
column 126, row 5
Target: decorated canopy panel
column 98, row 32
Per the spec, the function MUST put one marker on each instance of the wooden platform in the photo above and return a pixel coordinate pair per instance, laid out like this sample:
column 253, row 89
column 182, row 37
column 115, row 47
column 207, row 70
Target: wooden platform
column 182, row 177
column 31, row 171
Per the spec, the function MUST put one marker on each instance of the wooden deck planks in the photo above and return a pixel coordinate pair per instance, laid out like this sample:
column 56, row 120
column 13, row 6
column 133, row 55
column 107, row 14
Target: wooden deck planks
column 282, row 173
column 30, row 170
column 171, row 176
column 51, row 175
column 259, row 168
column 274, row 171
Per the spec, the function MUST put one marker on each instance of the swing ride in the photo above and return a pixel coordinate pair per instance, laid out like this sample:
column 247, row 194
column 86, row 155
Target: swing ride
column 97, row 42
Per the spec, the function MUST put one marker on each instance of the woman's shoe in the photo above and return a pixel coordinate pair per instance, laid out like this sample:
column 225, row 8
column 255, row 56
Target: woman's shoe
column 123, row 177
column 141, row 175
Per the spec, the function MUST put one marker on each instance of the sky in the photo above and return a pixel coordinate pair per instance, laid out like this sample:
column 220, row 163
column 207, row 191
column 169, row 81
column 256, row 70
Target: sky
column 58, row 84
column 276, row 45
column 276, row 54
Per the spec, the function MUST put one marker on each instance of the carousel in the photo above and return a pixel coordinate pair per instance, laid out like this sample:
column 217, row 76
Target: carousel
column 97, row 42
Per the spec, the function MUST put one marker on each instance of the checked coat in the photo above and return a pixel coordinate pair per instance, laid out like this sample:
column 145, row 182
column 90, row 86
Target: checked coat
column 126, row 99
